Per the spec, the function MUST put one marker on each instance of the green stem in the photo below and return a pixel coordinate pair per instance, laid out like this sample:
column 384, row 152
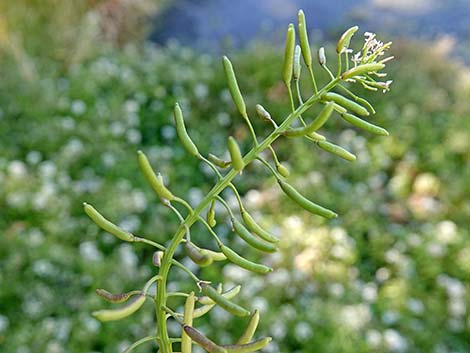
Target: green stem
column 160, row 299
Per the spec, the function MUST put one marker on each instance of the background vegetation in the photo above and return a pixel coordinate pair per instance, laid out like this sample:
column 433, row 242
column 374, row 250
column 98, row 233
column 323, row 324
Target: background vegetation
column 391, row 274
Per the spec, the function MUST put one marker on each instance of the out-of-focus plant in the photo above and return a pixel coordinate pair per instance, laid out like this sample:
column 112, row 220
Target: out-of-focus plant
column 368, row 63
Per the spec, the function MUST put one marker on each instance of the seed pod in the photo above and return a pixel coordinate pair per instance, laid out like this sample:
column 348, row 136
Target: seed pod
column 289, row 55
column 156, row 258
column 233, row 257
column 362, row 124
column 250, row 328
column 263, row 113
column 248, row 347
column 217, row 161
column 251, row 239
column 314, row 125
column 235, row 154
column 303, row 38
column 231, row 293
column 305, row 203
column 185, row 140
column 345, row 39
column 361, row 70
column 202, row 340
column 321, row 56
column 188, row 320
column 156, row 182
column 233, row 87
column 346, row 103
column 223, row 302
column 115, row 298
column 281, row 169
column 106, row 225
column 196, row 256
column 256, row 228
column 365, row 103
column 317, row 137
column 297, row 66
column 337, row 150
column 210, row 216
column 117, row 314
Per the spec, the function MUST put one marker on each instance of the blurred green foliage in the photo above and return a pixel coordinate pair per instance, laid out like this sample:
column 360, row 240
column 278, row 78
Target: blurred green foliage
column 390, row 275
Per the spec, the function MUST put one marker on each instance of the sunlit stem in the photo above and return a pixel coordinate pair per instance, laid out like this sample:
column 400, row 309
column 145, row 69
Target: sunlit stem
column 338, row 74
column 266, row 163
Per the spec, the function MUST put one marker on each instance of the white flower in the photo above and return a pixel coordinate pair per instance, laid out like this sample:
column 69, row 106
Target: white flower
column 395, row 341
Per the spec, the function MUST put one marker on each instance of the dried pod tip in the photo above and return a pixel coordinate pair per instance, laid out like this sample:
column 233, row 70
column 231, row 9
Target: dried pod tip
column 263, row 113
column 156, row 258
column 297, row 66
column 321, row 56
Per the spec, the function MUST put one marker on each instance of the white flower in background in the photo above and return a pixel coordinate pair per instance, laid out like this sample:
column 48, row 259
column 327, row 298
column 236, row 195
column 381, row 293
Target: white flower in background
column 235, row 273
column 33, row 157
column 73, row 147
column 395, row 341
column 369, row 292
column 131, row 106
column 4, row 323
column 390, row 317
column 373, row 338
column 260, row 303
column 17, row 169
column 127, row 258
column 416, row 306
column 201, row 91
column 117, row 129
column 90, row 252
column 446, row 232
column 47, row 169
column 355, row 316
column 382, row 274
column 303, row 331
column 133, row 136
column 78, row 107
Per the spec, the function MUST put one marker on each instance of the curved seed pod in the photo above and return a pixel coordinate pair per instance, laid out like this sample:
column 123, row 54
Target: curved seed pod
column 117, row 314
column 281, row 169
column 297, row 66
column 248, row 347
column 345, row 39
column 116, row 298
column 202, row 340
column 305, row 203
column 231, row 293
column 303, row 38
column 256, row 228
column 250, row 328
column 337, row 150
column 233, row 87
column 362, row 124
column 223, row 302
column 185, row 140
column 314, row 125
column 216, row 256
column 218, row 161
column 235, row 154
column 196, row 256
column 289, row 55
column 366, row 104
column 188, row 320
column 106, row 225
column 317, row 137
column 346, row 103
column 361, row 70
column 156, row 182
column 251, row 239
column 210, row 217
column 321, row 56
column 233, row 257
column 263, row 113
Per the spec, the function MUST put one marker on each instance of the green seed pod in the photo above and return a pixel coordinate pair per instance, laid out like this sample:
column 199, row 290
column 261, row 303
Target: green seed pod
column 317, row 137
column 346, row 103
column 345, row 39
column 362, row 124
column 281, row 169
column 361, row 70
column 235, row 154
column 216, row 256
column 106, row 225
column 233, row 257
column 289, row 55
column 263, row 113
column 297, row 66
column 321, row 56
column 251, row 239
column 185, row 140
column 115, row 298
column 231, row 293
column 233, row 87
column 303, row 38
column 196, row 256
column 210, row 216
column 305, row 203
column 314, row 125
column 337, row 150
column 223, row 302
column 156, row 182
column 186, row 346
column 118, row 314
column 256, row 228
column 250, row 328
column 202, row 340
column 248, row 347
column 218, row 161
column 366, row 104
